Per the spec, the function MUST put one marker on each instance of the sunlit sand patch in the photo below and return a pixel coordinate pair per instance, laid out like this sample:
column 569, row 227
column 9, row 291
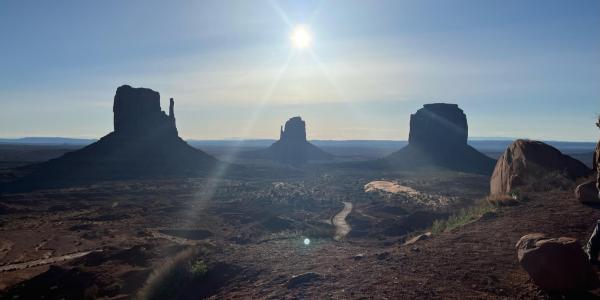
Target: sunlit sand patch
column 390, row 187
column 418, row 198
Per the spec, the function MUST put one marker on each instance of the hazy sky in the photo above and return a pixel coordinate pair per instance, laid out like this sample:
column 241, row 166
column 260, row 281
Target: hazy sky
column 517, row 68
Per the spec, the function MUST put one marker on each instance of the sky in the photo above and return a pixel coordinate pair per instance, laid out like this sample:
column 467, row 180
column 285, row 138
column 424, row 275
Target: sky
column 518, row 68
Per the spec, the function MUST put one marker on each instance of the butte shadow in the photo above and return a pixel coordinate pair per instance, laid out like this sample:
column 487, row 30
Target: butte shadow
column 144, row 144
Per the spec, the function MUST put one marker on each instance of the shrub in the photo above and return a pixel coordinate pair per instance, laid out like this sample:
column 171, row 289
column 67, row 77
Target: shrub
column 168, row 279
column 199, row 269
column 503, row 199
column 463, row 217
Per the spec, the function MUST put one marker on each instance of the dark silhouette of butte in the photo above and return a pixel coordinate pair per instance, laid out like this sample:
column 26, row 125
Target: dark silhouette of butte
column 144, row 143
column 292, row 146
column 438, row 138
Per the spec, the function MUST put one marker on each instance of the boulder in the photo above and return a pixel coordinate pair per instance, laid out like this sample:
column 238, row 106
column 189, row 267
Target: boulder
column 438, row 139
column 525, row 161
column 292, row 146
column 417, row 238
column 556, row 264
column 587, row 192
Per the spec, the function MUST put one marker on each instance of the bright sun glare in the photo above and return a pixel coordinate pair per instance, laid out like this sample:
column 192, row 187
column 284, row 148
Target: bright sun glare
column 301, row 37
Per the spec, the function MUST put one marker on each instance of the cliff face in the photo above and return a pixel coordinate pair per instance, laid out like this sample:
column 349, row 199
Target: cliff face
column 293, row 148
column 438, row 139
column 144, row 143
column 295, row 130
column 438, row 124
column 137, row 112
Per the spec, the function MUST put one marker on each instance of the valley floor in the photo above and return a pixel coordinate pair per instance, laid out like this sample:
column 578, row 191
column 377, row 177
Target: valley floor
column 475, row 261
column 256, row 250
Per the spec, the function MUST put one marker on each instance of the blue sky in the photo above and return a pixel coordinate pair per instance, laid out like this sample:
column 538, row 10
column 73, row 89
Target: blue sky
column 517, row 68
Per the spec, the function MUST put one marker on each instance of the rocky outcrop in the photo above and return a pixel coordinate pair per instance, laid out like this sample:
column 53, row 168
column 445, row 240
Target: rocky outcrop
column 438, row 124
column 292, row 146
column 556, row 264
column 526, row 161
column 137, row 112
column 144, row 143
column 438, row 139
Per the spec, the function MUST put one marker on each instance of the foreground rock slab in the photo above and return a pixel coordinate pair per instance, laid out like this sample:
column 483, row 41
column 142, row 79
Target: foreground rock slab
column 556, row 264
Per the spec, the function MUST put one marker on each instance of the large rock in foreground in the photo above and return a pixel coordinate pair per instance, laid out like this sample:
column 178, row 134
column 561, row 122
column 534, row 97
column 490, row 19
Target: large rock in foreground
column 144, row 143
column 292, row 146
column 438, row 139
column 556, row 264
column 587, row 192
column 525, row 161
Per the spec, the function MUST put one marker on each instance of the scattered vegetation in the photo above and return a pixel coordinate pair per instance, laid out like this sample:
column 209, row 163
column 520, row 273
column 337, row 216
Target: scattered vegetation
column 546, row 182
column 461, row 218
column 199, row 269
column 503, row 199
column 168, row 280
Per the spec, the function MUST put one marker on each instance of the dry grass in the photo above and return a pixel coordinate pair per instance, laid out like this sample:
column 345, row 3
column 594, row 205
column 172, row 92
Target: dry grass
column 502, row 200
column 169, row 277
column 463, row 217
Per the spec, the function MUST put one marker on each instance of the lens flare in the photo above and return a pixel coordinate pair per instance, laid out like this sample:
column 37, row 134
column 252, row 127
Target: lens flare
column 301, row 37
column 306, row 242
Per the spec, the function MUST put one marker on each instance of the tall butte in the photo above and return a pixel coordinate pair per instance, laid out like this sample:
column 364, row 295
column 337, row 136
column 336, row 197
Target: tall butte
column 438, row 139
column 144, row 143
column 292, row 146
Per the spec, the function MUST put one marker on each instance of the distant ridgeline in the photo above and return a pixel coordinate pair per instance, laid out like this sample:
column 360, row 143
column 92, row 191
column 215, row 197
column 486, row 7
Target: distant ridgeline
column 438, row 138
column 144, row 143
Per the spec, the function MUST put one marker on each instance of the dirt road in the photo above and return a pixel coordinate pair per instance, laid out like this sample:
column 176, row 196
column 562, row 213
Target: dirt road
column 45, row 261
column 342, row 228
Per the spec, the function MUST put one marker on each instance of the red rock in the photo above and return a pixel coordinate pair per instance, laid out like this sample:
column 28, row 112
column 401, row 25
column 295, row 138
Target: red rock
column 526, row 160
column 587, row 192
column 556, row 264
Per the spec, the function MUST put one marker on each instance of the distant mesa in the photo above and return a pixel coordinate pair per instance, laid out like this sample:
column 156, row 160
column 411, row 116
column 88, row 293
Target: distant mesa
column 144, row 143
column 438, row 139
column 292, row 146
column 137, row 113
column 527, row 161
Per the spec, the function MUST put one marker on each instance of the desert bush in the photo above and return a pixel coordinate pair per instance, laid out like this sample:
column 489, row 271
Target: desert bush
column 168, row 279
column 199, row 269
column 463, row 217
column 503, row 199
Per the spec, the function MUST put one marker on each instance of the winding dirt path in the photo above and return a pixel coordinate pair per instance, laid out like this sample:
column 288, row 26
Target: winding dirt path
column 44, row 261
column 342, row 228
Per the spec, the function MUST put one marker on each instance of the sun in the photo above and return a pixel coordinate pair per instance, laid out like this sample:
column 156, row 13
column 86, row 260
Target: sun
column 301, row 37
